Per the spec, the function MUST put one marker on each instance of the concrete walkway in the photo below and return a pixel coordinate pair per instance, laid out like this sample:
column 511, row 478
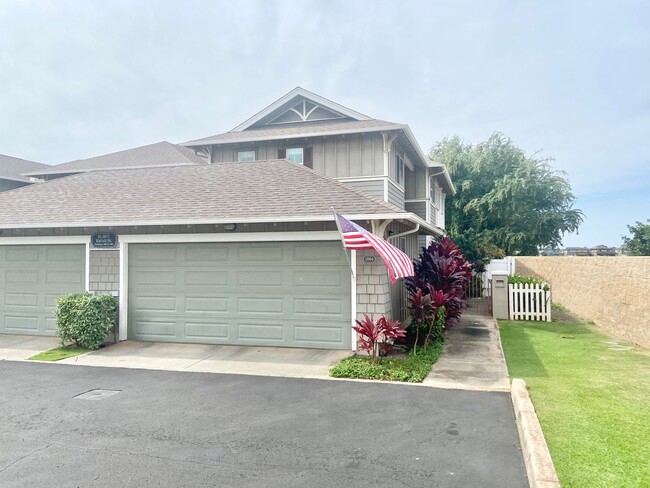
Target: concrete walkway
column 472, row 358
column 250, row 360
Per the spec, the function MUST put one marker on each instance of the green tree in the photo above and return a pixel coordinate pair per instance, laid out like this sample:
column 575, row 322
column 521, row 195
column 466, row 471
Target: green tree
column 506, row 202
column 639, row 242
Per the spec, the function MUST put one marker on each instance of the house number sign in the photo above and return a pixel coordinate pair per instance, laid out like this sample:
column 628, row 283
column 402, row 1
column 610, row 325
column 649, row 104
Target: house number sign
column 369, row 259
column 104, row 240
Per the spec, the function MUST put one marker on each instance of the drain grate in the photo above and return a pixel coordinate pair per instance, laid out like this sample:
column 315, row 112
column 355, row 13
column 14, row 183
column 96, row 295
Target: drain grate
column 96, row 394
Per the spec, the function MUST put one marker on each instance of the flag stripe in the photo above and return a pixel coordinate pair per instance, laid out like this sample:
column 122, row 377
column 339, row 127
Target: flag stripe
column 399, row 264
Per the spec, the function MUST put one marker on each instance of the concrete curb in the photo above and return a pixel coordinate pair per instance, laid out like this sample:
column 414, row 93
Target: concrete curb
column 537, row 458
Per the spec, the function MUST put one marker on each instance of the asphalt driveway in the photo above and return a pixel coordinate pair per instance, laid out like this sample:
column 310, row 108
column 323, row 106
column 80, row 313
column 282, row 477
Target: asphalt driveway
column 192, row 429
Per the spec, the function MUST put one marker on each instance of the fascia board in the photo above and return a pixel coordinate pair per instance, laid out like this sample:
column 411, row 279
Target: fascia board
column 202, row 142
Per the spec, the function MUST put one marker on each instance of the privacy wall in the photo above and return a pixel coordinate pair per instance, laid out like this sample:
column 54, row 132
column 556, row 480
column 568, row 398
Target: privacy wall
column 613, row 292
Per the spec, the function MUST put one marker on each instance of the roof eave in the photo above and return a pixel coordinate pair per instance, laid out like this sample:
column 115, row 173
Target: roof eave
column 451, row 190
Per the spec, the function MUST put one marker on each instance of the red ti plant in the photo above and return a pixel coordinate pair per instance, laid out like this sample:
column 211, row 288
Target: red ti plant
column 373, row 333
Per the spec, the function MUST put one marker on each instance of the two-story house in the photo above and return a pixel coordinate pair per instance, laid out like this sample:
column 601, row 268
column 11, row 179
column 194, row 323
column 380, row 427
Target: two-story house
column 231, row 242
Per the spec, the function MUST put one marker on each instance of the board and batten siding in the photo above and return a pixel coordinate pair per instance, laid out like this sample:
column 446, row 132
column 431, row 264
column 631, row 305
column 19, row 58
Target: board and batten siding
column 374, row 188
column 334, row 156
column 419, row 208
column 395, row 194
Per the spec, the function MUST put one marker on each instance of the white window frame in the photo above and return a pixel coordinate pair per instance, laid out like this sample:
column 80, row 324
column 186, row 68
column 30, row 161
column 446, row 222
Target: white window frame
column 248, row 152
column 399, row 170
column 302, row 154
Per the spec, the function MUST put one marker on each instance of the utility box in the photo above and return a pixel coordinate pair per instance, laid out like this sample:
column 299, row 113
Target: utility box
column 500, row 295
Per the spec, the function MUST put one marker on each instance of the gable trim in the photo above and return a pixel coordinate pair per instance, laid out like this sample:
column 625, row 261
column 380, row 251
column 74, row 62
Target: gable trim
column 298, row 91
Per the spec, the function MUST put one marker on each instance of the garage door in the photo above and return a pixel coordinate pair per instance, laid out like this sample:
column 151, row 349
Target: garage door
column 31, row 279
column 279, row 294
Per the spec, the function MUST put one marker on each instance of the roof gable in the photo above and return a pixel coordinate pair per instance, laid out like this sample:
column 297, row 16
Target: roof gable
column 300, row 106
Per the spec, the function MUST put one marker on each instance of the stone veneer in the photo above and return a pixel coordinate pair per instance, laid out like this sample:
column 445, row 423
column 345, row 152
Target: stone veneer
column 614, row 292
column 373, row 286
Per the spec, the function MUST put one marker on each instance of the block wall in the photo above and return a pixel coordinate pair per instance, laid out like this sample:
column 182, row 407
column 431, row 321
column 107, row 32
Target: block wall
column 613, row 292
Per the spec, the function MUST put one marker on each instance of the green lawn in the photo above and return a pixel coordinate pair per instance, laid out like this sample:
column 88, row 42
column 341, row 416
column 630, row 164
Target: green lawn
column 593, row 402
column 411, row 369
column 59, row 353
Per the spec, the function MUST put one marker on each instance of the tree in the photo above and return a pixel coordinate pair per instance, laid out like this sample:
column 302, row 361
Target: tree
column 505, row 202
column 639, row 243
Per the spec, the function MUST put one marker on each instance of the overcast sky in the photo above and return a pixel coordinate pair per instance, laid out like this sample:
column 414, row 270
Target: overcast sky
column 84, row 78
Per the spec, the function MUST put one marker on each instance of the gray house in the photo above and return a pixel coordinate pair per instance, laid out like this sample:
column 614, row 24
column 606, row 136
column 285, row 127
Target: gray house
column 206, row 250
column 12, row 172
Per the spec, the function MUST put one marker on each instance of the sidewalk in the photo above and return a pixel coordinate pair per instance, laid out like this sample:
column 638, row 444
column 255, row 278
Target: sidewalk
column 472, row 358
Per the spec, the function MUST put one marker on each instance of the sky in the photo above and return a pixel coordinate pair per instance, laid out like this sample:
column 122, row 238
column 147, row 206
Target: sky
column 569, row 79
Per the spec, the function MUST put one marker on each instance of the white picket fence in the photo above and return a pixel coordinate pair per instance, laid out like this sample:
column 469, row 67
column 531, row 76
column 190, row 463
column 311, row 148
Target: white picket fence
column 529, row 302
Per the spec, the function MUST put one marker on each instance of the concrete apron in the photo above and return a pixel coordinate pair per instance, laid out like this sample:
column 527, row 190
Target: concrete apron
column 472, row 358
column 250, row 360
column 21, row 347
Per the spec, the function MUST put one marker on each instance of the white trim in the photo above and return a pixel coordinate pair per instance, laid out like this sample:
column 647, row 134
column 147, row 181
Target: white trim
column 123, row 298
column 352, row 179
column 386, row 189
column 353, row 285
column 31, row 240
column 327, row 235
column 88, row 266
column 298, row 91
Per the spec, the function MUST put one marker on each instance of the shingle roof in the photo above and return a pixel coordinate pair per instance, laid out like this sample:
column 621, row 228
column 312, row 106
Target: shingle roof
column 264, row 190
column 13, row 168
column 159, row 154
column 297, row 130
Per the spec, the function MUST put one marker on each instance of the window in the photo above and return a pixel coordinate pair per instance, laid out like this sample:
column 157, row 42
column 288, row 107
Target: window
column 246, row 156
column 299, row 155
column 433, row 193
column 295, row 154
column 400, row 169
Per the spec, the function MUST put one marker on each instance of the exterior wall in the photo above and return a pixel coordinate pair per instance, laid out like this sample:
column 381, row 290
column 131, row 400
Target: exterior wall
column 419, row 208
column 415, row 183
column 6, row 185
column 614, row 292
column 104, row 271
column 395, row 194
column 374, row 188
column 373, row 286
column 334, row 156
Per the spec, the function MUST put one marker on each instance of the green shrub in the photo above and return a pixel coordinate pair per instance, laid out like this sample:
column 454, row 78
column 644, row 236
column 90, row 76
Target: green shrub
column 84, row 319
column 527, row 280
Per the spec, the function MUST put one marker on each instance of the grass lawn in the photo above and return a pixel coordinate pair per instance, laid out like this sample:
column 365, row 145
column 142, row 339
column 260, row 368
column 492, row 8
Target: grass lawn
column 410, row 369
column 59, row 353
column 593, row 402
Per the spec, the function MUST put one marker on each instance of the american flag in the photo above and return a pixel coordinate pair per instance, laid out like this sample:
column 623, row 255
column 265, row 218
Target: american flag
column 399, row 264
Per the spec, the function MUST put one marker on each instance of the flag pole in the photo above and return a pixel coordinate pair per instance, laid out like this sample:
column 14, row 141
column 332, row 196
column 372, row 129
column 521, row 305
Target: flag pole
column 345, row 251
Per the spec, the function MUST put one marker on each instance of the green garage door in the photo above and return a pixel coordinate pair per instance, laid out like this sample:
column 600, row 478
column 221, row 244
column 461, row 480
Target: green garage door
column 277, row 294
column 31, row 279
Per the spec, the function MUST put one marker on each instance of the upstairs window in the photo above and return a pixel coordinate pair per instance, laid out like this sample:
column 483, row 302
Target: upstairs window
column 295, row 154
column 399, row 173
column 299, row 155
column 245, row 156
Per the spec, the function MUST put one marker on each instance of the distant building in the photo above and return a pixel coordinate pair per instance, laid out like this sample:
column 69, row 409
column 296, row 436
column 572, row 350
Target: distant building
column 551, row 251
column 577, row 251
column 602, row 250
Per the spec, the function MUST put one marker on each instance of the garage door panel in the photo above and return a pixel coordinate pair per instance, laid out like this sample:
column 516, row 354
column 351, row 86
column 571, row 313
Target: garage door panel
column 25, row 301
column 155, row 304
column 194, row 304
column 261, row 295
column 198, row 330
column 261, row 332
column 32, row 278
column 313, row 334
column 259, row 278
column 217, row 277
column 153, row 254
column 15, row 277
column 322, row 278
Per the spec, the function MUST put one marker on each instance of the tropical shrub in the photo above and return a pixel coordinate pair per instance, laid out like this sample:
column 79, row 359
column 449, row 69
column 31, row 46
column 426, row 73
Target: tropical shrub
column 441, row 272
column 84, row 319
column 377, row 334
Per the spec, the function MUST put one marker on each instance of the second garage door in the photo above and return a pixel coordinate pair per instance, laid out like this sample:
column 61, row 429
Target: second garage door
column 293, row 294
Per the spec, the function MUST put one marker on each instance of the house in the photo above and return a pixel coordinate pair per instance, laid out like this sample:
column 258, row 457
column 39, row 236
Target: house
column 12, row 172
column 230, row 240
column 602, row 250
column 576, row 251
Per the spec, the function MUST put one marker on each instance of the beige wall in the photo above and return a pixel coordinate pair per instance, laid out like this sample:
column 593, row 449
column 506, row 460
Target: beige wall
column 613, row 292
